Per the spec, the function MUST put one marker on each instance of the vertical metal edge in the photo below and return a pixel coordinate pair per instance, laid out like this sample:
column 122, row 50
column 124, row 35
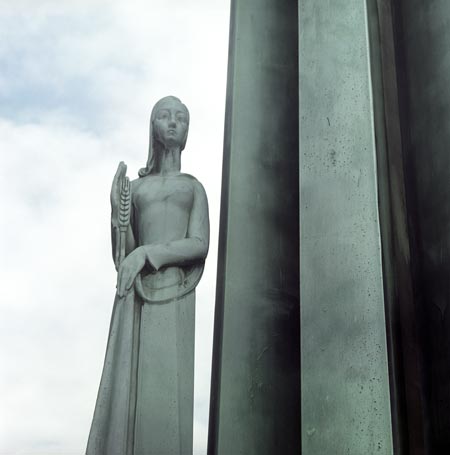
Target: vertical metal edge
column 214, row 408
column 401, row 317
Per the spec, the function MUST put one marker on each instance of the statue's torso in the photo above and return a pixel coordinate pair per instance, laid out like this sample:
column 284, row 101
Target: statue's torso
column 162, row 209
column 162, row 206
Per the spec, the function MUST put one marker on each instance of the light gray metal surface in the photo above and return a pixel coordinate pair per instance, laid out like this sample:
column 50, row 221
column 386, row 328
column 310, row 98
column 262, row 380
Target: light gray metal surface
column 345, row 385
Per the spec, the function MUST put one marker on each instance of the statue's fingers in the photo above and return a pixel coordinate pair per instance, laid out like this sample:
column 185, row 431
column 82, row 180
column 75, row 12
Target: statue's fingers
column 125, row 281
column 122, row 289
column 119, row 275
column 121, row 282
column 130, row 281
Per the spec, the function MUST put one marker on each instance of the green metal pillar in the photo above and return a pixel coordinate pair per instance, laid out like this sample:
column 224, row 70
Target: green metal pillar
column 423, row 37
column 255, row 401
column 344, row 366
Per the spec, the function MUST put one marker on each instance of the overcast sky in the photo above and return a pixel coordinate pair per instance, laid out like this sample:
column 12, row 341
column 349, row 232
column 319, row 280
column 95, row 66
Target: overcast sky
column 78, row 79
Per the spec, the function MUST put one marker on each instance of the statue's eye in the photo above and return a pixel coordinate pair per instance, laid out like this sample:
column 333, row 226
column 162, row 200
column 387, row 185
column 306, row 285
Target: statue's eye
column 163, row 115
column 181, row 118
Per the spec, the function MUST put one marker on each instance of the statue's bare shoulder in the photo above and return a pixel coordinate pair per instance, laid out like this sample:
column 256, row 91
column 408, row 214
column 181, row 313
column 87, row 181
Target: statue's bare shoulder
column 195, row 183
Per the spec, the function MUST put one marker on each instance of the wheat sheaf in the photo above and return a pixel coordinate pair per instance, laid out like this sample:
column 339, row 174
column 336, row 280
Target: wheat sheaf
column 125, row 204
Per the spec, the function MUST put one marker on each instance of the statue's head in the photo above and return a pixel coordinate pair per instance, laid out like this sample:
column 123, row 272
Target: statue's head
column 169, row 125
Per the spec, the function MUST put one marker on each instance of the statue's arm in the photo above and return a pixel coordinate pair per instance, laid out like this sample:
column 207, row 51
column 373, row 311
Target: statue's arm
column 130, row 239
column 194, row 247
column 114, row 239
column 190, row 250
column 130, row 244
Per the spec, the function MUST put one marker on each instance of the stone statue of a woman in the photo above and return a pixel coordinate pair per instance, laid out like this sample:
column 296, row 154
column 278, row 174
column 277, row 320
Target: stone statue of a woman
column 160, row 236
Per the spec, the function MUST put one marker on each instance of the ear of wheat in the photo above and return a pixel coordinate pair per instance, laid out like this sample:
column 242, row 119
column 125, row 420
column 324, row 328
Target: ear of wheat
column 124, row 214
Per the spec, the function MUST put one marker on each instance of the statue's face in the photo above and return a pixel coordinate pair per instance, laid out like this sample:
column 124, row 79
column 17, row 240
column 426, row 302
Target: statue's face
column 170, row 124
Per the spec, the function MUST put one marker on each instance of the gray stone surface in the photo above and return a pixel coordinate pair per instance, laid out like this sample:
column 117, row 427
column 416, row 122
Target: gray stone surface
column 345, row 385
column 255, row 384
column 160, row 234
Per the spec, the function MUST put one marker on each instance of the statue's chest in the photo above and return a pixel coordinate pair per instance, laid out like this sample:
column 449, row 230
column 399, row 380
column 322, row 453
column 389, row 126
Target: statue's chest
column 168, row 193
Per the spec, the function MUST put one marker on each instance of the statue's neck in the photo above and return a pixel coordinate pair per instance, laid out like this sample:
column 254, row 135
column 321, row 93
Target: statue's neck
column 168, row 161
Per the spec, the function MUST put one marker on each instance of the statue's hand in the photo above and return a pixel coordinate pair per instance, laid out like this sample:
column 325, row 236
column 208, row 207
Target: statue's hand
column 128, row 270
column 116, row 187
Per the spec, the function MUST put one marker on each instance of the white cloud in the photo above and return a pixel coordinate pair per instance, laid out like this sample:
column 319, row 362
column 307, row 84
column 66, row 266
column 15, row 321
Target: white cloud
column 75, row 98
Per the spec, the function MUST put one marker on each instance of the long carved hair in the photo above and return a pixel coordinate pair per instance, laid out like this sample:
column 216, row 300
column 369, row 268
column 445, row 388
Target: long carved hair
column 154, row 145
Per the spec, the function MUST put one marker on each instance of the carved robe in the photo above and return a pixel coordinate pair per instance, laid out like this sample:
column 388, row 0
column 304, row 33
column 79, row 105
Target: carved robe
column 144, row 405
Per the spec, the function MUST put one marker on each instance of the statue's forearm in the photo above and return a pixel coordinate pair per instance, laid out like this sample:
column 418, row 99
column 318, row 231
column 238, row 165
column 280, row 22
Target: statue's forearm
column 116, row 239
column 178, row 252
column 115, row 236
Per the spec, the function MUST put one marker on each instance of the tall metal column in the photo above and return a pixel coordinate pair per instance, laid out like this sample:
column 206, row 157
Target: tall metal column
column 255, row 401
column 423, row 37
column 344, row 367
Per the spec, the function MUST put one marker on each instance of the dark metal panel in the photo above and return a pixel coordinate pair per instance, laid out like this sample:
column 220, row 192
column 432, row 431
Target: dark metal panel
column 423, row 37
